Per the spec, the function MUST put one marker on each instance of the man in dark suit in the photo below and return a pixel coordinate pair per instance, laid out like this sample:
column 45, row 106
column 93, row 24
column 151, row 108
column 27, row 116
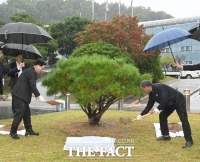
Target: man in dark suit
column 169, row 99
column 15, row 76
column 21, row 98
column 4, row 70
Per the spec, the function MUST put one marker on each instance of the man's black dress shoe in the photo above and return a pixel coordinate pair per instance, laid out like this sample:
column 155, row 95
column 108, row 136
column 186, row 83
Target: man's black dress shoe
column 31, row 133
column 14, row 136
column 188, row 144
column 164, row 138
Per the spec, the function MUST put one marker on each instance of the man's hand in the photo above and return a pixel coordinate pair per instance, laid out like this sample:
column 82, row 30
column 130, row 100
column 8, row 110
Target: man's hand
column 139, row 117
column 178, row 65
column 21, row 65
column 41, row 98
column 156, row 111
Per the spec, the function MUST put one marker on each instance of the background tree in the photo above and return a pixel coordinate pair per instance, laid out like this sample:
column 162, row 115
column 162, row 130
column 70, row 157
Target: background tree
column 64, row 32
column 122, row 31
column 95, row 81
column 104, row 49
column 166, row 61
column 51, row 11
column 2, row 23
column 152, row 65
column 24, row 17
column 125, row 33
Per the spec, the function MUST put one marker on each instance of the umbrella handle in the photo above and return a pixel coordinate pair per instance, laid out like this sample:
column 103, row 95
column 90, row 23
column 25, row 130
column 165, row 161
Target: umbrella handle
column 6, row 34
column 170, row 47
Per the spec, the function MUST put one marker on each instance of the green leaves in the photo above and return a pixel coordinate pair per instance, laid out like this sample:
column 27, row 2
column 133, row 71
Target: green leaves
column 103, row 49
column 90, row 78
column 65, row 32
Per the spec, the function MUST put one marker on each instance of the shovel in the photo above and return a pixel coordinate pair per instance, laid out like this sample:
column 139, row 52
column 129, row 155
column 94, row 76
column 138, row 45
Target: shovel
column 149, row 113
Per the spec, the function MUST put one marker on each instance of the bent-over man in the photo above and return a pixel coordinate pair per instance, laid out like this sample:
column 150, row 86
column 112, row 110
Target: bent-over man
column 169, row 99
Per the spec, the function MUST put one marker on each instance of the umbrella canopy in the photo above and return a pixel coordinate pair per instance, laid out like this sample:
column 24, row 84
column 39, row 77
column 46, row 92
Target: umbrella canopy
column 29, row 51
column 23, row 33
column 166, row 38
column 195, row 32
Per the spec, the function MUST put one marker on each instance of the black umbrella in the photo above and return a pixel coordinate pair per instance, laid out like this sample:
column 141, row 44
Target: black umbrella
column 195, row 31
column 29, row 51
column 23, row 33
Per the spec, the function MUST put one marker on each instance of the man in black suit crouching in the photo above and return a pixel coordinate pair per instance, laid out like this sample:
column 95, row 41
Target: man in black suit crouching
column 21, row 98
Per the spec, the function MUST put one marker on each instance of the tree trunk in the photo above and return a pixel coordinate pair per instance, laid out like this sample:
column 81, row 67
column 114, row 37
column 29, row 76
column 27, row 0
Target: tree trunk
column 94, row 119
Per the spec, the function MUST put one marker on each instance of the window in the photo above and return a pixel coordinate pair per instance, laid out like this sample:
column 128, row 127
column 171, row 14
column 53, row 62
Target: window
column 188, row 62
column 182, row 49
column 188, row 48
column 167, row 50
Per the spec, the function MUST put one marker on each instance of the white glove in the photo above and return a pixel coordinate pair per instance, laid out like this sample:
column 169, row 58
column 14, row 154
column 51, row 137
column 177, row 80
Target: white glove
column 41, row 98
column 139, row 117
column 156, row 111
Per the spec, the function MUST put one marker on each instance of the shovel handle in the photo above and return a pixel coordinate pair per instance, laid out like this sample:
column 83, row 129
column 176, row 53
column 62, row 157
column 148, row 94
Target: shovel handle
column 149, row 113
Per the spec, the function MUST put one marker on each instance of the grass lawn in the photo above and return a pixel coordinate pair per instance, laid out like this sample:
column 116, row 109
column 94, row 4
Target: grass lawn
column 55, row 127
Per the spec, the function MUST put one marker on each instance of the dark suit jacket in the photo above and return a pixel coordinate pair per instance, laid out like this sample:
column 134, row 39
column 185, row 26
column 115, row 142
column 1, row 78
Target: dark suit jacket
column 4, row 70
column 164, row 95
column 13, row 77
column 26, row 85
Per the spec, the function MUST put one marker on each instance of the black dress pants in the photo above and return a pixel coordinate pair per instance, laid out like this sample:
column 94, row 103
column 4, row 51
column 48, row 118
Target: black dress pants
column 21, row 111
column 180, row 107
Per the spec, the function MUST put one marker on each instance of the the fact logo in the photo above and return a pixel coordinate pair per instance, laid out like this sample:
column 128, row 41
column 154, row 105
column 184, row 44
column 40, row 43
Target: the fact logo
column 123, row 148
column 120, row 151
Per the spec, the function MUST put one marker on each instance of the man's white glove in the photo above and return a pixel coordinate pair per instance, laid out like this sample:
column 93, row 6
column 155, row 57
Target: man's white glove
column 156, row 111
column 139, row 117
column 41, row 98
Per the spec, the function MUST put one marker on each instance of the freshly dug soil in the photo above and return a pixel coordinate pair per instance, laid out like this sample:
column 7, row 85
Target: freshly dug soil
column 125, row 120
column 174, row 127
column 104, row 128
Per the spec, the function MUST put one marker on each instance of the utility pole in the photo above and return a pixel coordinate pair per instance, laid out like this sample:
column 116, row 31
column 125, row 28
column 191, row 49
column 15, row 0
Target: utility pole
column 80, row 8
column 132, row 8
column 119, row 7
column 106, row 9
column 92, row 9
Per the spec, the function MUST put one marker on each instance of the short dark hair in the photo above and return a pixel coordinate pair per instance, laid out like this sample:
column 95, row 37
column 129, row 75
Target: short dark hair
column 18, row 53
column 39, row 62
column 145, row 83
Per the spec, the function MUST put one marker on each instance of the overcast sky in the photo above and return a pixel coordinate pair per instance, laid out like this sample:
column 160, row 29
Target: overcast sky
column 176, row 8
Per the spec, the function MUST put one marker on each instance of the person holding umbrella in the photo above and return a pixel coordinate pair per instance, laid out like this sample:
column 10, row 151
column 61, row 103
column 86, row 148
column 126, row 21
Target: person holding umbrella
column 169, row 99
column 14, row 77
column 4, row 70
column 21, row 98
